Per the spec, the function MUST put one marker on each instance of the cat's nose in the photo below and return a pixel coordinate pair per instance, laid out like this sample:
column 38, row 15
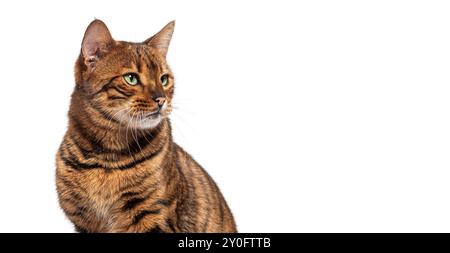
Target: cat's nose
column 160, row 101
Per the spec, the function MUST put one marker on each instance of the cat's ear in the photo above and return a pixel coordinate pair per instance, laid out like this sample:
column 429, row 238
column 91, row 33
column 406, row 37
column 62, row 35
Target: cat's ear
column 97, row 41
column 161, row 40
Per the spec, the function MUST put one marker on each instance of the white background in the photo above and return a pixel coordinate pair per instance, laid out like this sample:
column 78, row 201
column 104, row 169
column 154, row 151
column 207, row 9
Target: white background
column 312, row 116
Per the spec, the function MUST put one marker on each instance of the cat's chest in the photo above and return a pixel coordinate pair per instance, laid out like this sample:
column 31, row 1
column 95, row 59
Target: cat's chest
column 103, row 198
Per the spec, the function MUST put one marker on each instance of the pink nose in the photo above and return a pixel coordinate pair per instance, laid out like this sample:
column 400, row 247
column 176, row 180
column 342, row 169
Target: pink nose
column 160, row 100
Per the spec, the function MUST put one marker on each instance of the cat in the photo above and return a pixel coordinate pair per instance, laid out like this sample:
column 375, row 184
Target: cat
column 118, row 169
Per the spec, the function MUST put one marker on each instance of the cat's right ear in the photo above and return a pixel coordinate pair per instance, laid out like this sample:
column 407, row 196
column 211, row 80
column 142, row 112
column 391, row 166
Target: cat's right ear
column 97, row 41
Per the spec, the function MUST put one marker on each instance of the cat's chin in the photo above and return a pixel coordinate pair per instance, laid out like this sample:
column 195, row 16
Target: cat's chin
column 148, row 123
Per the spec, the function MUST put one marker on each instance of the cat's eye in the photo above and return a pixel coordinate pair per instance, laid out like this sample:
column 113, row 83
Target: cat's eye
column 131, row 79
column 164, row 80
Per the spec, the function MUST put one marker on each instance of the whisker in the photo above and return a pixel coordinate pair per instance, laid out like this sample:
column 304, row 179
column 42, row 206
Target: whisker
column 135, row 131
column 126, row 137
column 183, row 109
column 175, row 113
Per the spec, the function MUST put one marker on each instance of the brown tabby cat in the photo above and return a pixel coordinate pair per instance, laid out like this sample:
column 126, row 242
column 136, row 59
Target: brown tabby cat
column 118, row 169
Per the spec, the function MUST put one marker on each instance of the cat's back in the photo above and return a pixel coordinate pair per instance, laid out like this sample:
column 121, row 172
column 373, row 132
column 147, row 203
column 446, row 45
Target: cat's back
column 203, row 197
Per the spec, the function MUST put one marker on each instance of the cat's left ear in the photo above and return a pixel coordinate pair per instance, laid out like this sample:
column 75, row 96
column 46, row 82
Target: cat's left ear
column 161, row 40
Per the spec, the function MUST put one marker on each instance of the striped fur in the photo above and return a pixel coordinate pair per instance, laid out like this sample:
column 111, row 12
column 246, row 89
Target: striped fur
column 117, row 174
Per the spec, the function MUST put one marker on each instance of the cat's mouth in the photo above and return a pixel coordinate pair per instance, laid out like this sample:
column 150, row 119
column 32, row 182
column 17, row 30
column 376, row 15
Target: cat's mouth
column 153, row 115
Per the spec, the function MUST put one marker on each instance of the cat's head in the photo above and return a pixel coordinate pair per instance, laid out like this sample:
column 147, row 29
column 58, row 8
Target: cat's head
column 128, row 82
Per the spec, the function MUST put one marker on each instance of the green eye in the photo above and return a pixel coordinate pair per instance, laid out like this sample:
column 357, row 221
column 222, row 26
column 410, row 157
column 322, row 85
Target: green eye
column 131, row 79
column 164, row 80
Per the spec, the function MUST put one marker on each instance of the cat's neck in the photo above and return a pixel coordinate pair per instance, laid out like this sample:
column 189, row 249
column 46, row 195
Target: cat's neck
column 97, row 131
